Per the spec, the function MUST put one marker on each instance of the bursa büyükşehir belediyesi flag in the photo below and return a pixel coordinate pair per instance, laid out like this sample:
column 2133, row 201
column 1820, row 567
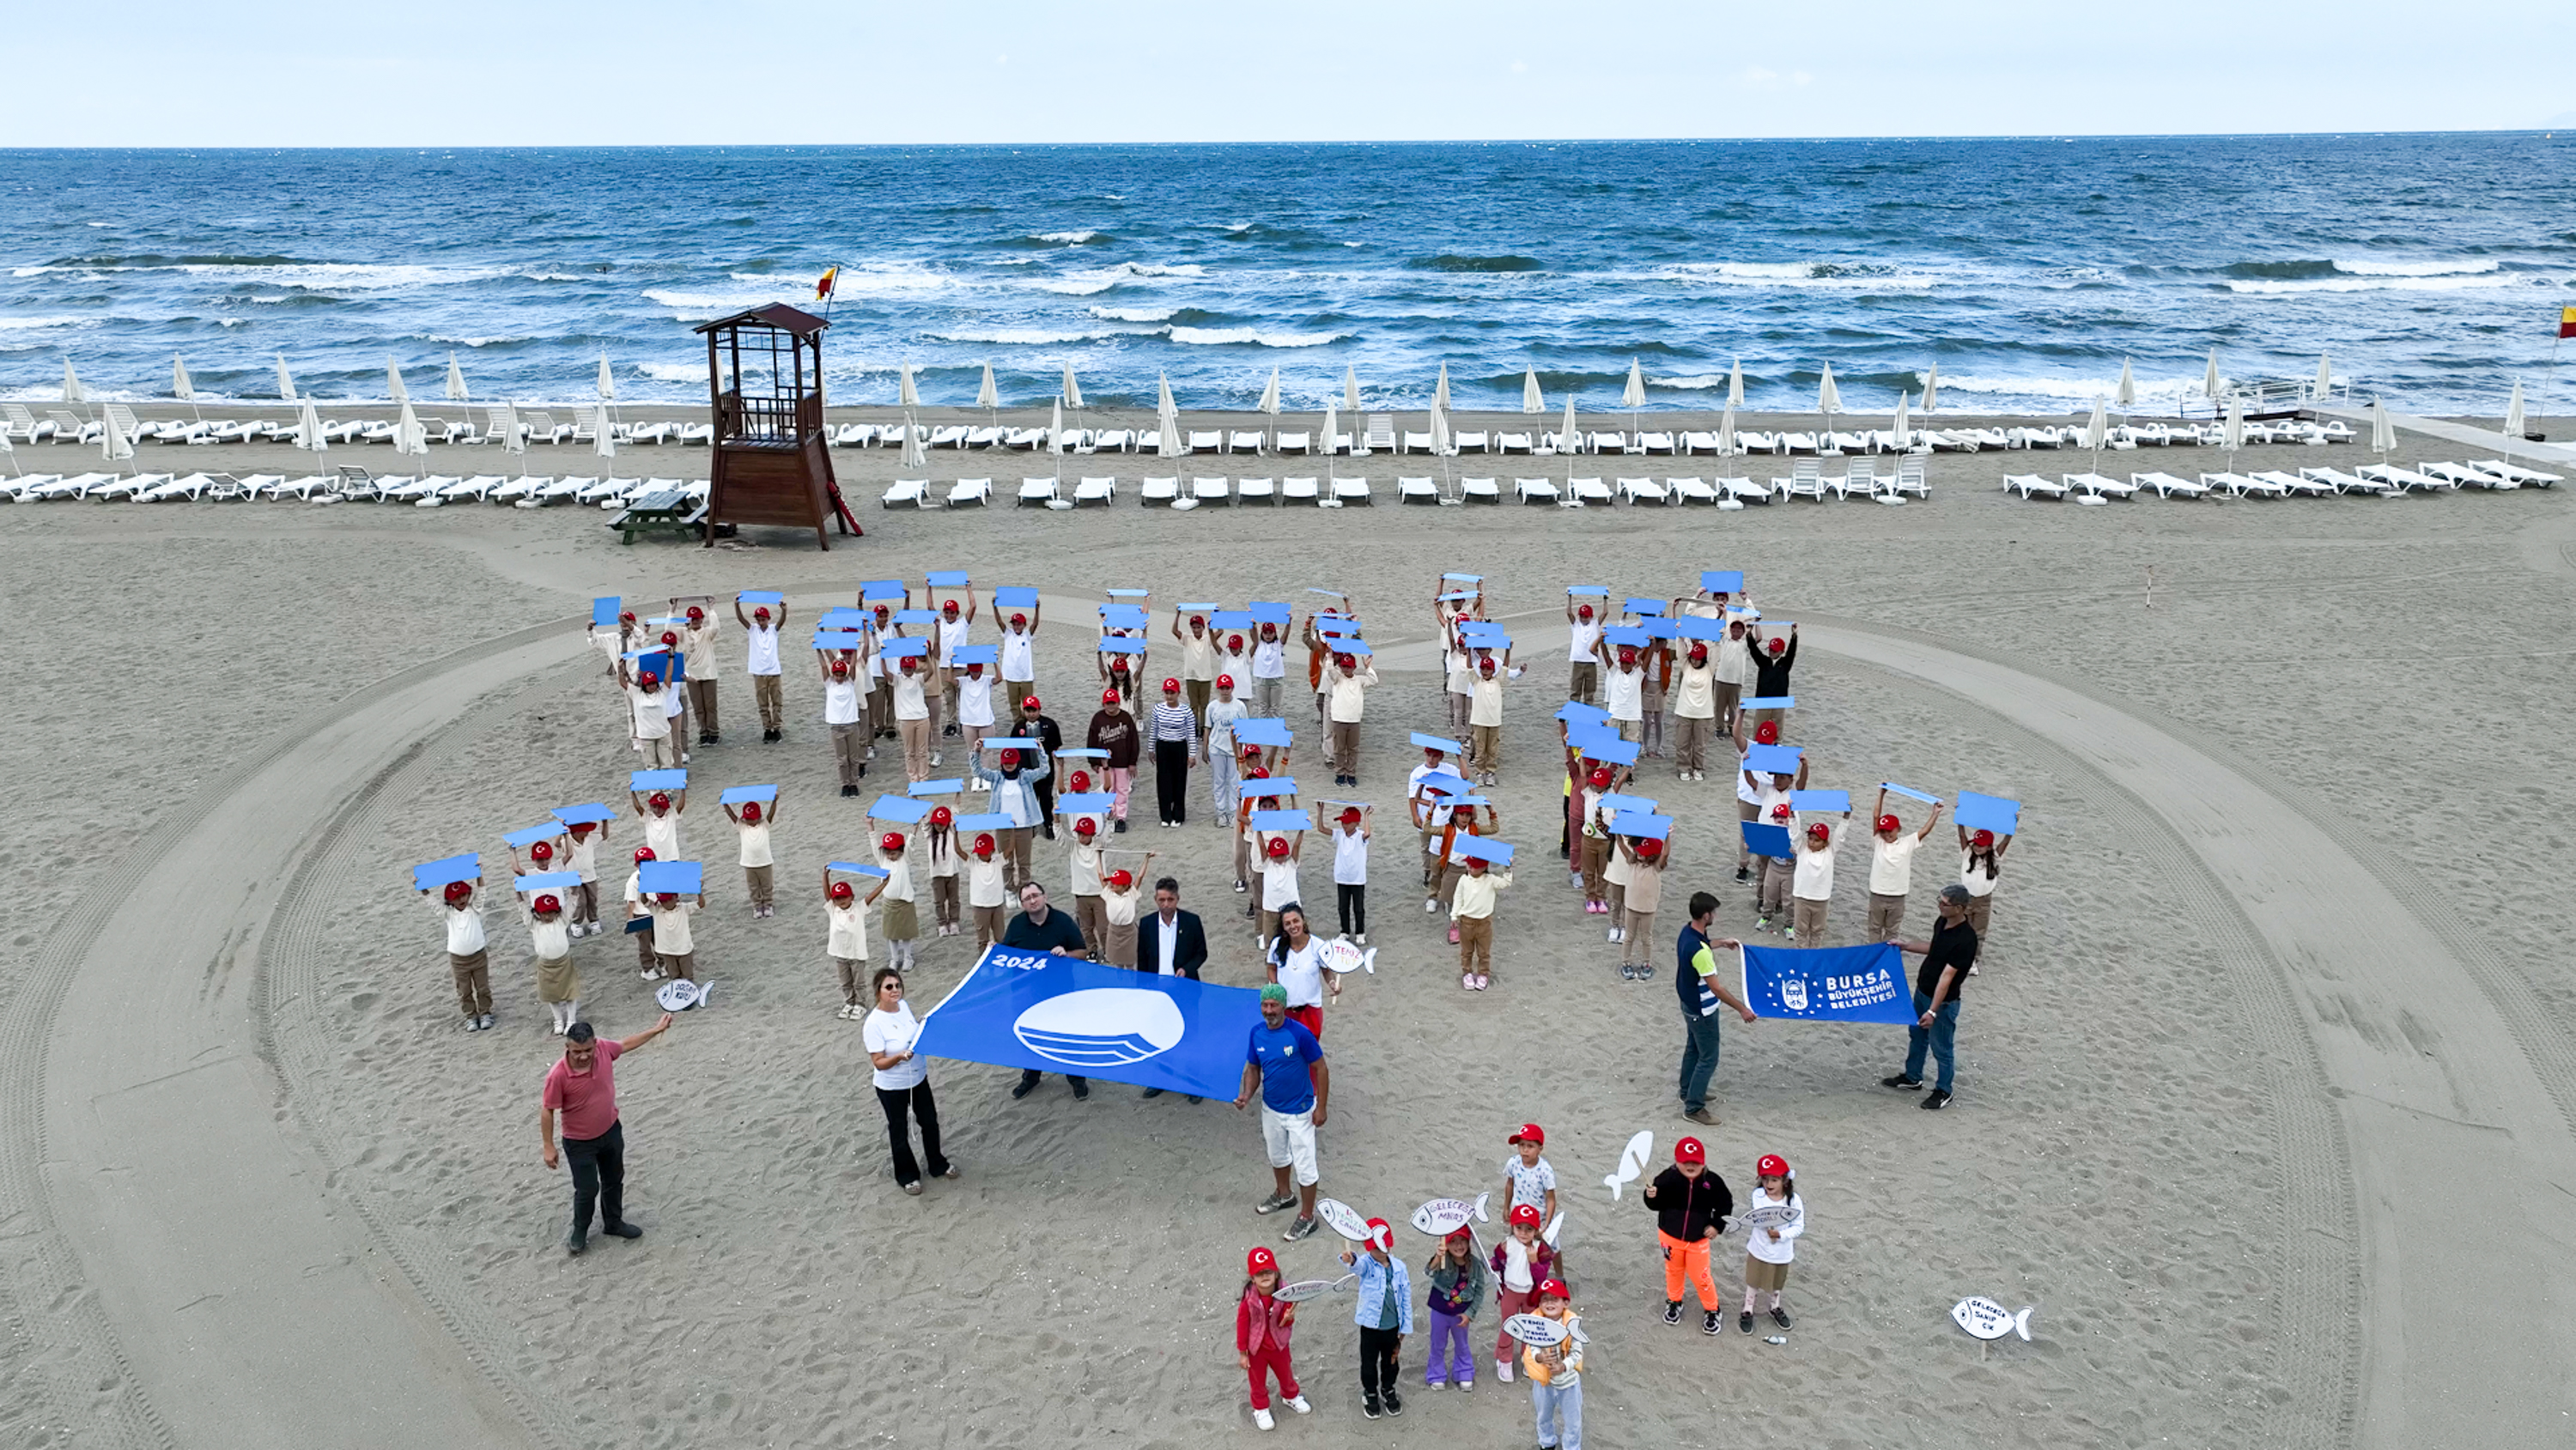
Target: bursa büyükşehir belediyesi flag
column 2567, row 322
column 823, row 286
column 1829, row 984
column 1062, row 1014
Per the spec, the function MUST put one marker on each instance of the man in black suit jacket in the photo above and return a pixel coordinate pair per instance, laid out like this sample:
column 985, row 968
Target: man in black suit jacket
column 1182, row 928
column 1042, row 727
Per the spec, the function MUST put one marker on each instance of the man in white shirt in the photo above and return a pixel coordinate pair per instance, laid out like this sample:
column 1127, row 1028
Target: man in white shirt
column 1891, row 869
column 1582, row 652
column 760, row 661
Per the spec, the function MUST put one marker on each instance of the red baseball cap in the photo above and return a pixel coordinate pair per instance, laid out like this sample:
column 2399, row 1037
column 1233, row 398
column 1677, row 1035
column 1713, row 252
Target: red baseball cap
column 1698, row 652
column 1234, row 642
column 1278, row 847
column 760, row 612
column 1257, row 772
column 1819, row 831
column 1890, row 823
column 696, row 613
column 1010, row 758
column 1030, row 704
column 1529, row 1132
column 659, row 800
column 1777, row 644
column 1019, row 619
column 1109, row 697
column 984, row 843
column 1225, row 682
column 546, row 904
column 1524, row 1213
column 1344, row 662
column 1261, row 1261
column 644, row 853
column 1085, row 826
column 1583, row 611
column 1078, row 782
column 1381, row 1233
column 1650, row 848
column 841, row 891
column 1121, row 880
column 541, row 851
column 1171, row 686
column 1690, row 1150
column 1350, row 815
column 939, row 816
column 669, row 638
column 1780, row 812
column 648, row 679
column 1771, row 1166
column 1767, row 733
column 1982, row 840
column 1198, row 619
column 459, row 890
column 1553, row 1289
column 751, row 810
column 1600, row 777
column 891, row 842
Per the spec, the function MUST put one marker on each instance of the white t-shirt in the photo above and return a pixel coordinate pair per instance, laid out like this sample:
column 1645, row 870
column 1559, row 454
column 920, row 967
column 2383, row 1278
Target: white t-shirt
column 1019, row 660
column 1348, row 691
column 1587, row 633
column 1085, row 861
column 840, row 702
column 1735, row 659
column 849, row 930
column 1697, row 699
column 464, row 929
column 1350, row 857
column 1813, row 879
column 1516, row 1265
column 1118, row 908
column 952, row 634
column 1221, row 715
column 652, row 712
column 1302, row 972
column 984, row 880
column 898, row 886
column 908, row 701
column 943, row 852
column 760, row 649
column 671, row 934
column 1530, row 1181
column 975, row 700
column 552, row 939
column 1437, row 815
column 585, row 857
column 1891, row 864
column 1198, row 656
column 1486, row 706
column 662, row 833
column 1626, row 691
column 1269, row 660
column 1974, row 877
column 1761, row 1245
column 1278, row 884
column 755, row 842
column 895, row 1031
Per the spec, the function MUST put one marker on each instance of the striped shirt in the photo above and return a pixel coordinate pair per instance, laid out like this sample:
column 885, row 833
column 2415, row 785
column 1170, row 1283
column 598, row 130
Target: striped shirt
column 1175, row 722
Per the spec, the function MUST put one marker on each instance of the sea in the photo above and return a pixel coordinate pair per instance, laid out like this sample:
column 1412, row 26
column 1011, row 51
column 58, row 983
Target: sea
column 2427, row 269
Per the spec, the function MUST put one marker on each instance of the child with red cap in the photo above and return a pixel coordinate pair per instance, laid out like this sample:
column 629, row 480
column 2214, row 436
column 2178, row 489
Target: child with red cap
column 583, row 861
column 1217, row 749
column 1114, row 730
column 1647, row 860
column 1174, row 730
column 1583, row 652
column 1768, row 1250
column 698, row 665
column 1891, row 868
column 651, row 727
column 1121, row 893
column 940, row 847
column 1198, row 661
column 1813, row 885
column 1347, row 681
column 660, row 811
column 1384, row 1315
column 1084, row 864
column 1262, row 1325
column 1623, row 686
column 1694, row 712
column 1528, row 1178
column 1594, row 843
column 1485, row 715
column 901, row 921
column 984, row 895
column 845, row 922
column 1472, row 899
column 558, row 985
column 970, row 692
column 675, row 945
column 1556, row 1372
column 760, row 660
column 1350, row 870
column 1279, row 853
column 639, row 922
column 1019, row 661
column 845, row 713
column 1521, row 1262
column 751, row 823
column 468, row 960
column 1981, row 863
column 1457, row 1279
column 1691, row 1206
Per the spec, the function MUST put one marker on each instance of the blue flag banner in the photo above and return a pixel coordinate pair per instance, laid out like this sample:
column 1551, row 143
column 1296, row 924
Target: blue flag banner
column 1062, row 1014
column 1829, row 984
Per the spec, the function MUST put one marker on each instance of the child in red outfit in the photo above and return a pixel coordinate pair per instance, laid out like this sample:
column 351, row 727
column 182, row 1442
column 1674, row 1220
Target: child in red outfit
column 1520, row 1263
column 1261, row 1329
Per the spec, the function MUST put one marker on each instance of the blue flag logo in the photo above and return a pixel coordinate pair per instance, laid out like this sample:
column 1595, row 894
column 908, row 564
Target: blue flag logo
column 1062, row 1014
column 1101, row 1027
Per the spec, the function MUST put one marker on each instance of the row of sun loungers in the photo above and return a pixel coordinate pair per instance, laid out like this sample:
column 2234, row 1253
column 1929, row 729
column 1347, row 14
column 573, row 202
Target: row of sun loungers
column 1201, row 491
column 2386, row 480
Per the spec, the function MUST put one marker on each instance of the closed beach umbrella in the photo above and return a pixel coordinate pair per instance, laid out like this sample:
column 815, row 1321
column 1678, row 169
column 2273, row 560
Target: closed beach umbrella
column 2325, row 375
column 607, row 380
column 1440, row 389
column 987, row 396
column 410, row 438
column 1634, row 395
column 1350, row 387
column 2127, row 396
column 2513, row 425
column 1168, row 418
column 308, row 429
column 2383, row 433
column 906, row 394
column 1932, row 388
column 1071, row 394
column 285, row 381
column 1532, row 400
column 1566, row 438
column 180, row 386
column 2232, row 437
column 2209, row 377
column 113, row 444
column 1270, row 398
column 1440, row 431
column 455, row 381
column 1332, row 425
column 914, row 455
column 1735, row 385
column 1726, row 431
column 603, row 432
column 1829, row 401
column 1904, row 433
column 512, row 439
column 2097, row 429
column 394, row 388
column 1055, row 437
column 72, row 390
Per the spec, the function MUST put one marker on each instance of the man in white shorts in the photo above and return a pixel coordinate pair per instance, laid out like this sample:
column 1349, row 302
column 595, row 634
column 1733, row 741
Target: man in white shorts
column 1285, row 1064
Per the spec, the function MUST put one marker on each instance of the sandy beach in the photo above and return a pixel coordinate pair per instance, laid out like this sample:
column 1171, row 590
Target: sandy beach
column 2266, row 1094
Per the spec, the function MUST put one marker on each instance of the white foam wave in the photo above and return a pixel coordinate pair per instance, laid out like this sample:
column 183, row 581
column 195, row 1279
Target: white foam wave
column 2400, row 283
column 1084, row 287
column 18, row 323
column 477, row 341
column 1691, row 380
column 1029, row 336
column 2082, row 390
column 1223, row 336
column 1134, row 314
column 554, row 277
column 2413, row 269
column 1822, row 276
column 1070, row 239
column 339, row 276
column 687, row 372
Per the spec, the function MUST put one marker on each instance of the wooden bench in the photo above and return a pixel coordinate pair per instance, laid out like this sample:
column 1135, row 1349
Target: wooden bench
column 674, row 509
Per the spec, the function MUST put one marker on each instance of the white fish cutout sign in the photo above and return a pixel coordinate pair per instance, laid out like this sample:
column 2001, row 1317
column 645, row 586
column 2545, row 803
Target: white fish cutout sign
column 1985, row 1319
column 1342, row 957
column 1555, row 1226
column 1342, row 1219
column 1540, row 1332
column 1768, row 1215
column 1481, row 1215
column 1442, row 1217
column 1632, row 1162
column 1305, row 1289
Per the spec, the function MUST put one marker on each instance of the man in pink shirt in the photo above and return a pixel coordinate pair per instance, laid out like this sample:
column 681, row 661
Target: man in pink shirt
column 583, row 1088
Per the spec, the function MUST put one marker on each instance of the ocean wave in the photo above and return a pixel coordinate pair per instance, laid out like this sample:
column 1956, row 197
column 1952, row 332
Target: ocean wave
column 1455, row 262
column 1081, row 287
column 687, row 372
column 478, row 341
column 553, row 277
column 1252, row 336
column 1070, row 239
column 18, row 323
column 1136, row 314
column 1690, row 380
column 1026, row 336
column 358, row 276
column 1094, row 280
column 2081, row 390
column 2414, row 269
column 713, row 304
column 1824, row 276
column 2395, row 283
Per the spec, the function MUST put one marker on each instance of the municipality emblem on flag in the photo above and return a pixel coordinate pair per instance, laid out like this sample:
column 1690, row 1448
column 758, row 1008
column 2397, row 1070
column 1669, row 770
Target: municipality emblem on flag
column 1101, row 1027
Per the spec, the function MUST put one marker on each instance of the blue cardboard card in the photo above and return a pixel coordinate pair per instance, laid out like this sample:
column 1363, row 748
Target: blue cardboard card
column 669, row 666
column 857, row 868
column 1463, row 578
column 1119, row 645
column 945, row 578
column 1328, row 593
column 976, row 654
column 1659, row 628
column 1081, row 752
column 842, row 616
column 530, row 835
column 1265, row 612
column 1611, row 749
column 1129, row 593
column 1637, row 823
column 1575, row 712
column 635, row 924
column 1781, row 625
column 738, row 794
column 1268, row 733
column 546, row 881
column 1124, row 616
column 935, row 787
column 903, row 809
column 431, row 875
column 916, row 616
column 1281, row 821
column 1820, row 800
column 1614, row 802
column 583, row 814
column 1989, row 813
column 1766, row 839
column 1771, row 702
column 652, row 780
column 655, row 877
column 995, row 744
column 905, row 649
column 1638, row 604
column 1628, row 635
column 1016, row 596
column 1350, row 645
column 1231, row 619
column 1892, row 788
column 838, row 640
column 1692, row 626
column 1588, row 591
column 1207, row 608
column 1271, row 789
column 890, row 590
column 1087, row 803
column 1772, row 759
column 603, row 612
column 1456, row 597
column 762, row 596
column 1434, row 742
column 1481, row 848
column 988, row 821
column 1722, row 581
column 1442, row 783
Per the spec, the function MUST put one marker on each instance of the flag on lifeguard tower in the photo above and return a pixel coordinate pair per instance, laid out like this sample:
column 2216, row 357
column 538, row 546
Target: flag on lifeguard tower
column 823, row 285
column 2567, row 322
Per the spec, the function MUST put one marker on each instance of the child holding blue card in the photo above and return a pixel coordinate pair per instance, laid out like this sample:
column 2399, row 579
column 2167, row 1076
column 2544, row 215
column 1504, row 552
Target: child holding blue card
column 1485, row 715
column 1813, row 883
column 675, row 946
column 845, row 716
column 1981, row 864
column 939, row 848
column 902, row 920
column 1646, row 861
column 468, row 959
column 760, row 660
column 660, row 812
column 1019, row 658
column 845, row 918
column 1269, row 671
column 698, row 654
column 587, row 837
column 751, row 824
column 971, row 693
column 550, row 937
column 651, row 726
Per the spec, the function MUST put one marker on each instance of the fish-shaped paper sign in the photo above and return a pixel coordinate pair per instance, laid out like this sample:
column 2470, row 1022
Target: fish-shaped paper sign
column 1632, row 1162
column 1342, row 1219
column 1442, row 1217
column 1555, row 1226
column 681, row 994
column 1305, row 1289
column 1768, row 1215
column 1985, row 1319
column 1535, row 1330
column 1342, row 956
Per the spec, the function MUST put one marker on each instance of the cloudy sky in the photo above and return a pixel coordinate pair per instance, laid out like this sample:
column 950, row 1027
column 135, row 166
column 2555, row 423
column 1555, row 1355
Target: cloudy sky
column 642, row 72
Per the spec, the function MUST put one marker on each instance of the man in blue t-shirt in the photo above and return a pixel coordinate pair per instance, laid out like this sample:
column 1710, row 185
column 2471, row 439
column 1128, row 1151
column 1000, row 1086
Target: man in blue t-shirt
column 1285, row 1061
column 1701, row 997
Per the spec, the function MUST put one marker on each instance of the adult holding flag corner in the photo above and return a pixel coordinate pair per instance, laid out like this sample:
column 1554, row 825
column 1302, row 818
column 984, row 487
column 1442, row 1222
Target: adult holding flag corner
column 1947, row 958
column 1701, row 997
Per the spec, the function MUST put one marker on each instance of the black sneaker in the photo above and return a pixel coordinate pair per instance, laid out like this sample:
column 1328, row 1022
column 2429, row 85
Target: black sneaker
column 1153, row 1092
column 1303, row 1228
column 1394, row 1403
column 1709, row 1323
column 1025, row 1086
column 1645, row 972
column 1779, row 1316
column 1744, row 1321
column 1368, row 1407
column 1082, row 1090
column 1938, row 1100
column 1627, row 972
column 575, row 1242
column 1195, row 1098
column 622, row 1230
column 1672, row 1311
column 1743, row 874
column 1902, row 1083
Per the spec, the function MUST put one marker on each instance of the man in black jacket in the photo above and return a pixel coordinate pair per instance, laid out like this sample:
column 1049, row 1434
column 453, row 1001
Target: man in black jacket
column 1171, row 941
column 1772, row 659
column 1041, row 727
column 1691, row 1205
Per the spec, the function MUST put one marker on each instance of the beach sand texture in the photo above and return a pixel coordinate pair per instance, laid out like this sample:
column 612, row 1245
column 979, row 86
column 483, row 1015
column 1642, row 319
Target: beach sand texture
column 2278, row 944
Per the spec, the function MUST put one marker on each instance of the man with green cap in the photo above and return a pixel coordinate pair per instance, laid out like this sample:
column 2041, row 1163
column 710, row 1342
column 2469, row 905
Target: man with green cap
column 1286, row 1063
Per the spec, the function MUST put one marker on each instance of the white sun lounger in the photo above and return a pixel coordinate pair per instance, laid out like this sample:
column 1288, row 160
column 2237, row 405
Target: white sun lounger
column 1805, row 480
column 1536, row 490
column 22, row 489
column 1102, row 491
column 1655, row 443
column 1343, row 443
column 952, row 436
column 2293, row 483
column 1238, row 440
column 1511, row 443
column 1297, row 442
column 904, row 490
column 1741, row 490
column 1690, row 490
column 1480, row 490
column 2166, row 485
column 1025, row 440
column 1561, row 443
column 594, row 491
column 18, row 423
column 1857, row 477
column 1415, row 443
column 126, row 487
column 2244, row 484
column 1206, row 489
column 186, row 485
column 1606, row 443
column 1037, row 491
column 2527, row 477
column 1210, row 441
column 854, row 435
column 2029, row 484
column 987, row 436
column 1478, row 442
column 1301, row 490
column 2402, row 478
column 1417, row 490
column 1159, row 491
column 2342, row 482
column 1114, row 440
column 976, row 491
column 75, row 485
column 1634, row 491
column 1350, row 491
column 562, row 490
column 1264, row 489
column 1587, row 491
column 402, row 490
column 515, row 489
column 2099, row 485
column 2456, row 476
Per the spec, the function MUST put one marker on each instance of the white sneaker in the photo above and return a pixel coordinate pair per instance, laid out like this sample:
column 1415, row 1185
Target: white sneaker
column 1503, row 1370
column 1261, row 1420
column 1431, row 903
column 1298, row 1403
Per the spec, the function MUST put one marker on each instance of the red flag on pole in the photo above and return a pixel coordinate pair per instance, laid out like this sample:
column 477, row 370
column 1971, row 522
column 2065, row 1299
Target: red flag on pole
column 823, row 288
column 2567, row 322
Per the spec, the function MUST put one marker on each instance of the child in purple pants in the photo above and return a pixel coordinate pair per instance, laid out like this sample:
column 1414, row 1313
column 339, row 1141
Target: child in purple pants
column 1457, row 1276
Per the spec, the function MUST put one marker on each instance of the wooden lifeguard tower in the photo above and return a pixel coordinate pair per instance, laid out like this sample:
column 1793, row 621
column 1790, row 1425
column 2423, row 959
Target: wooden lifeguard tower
column 773, row 460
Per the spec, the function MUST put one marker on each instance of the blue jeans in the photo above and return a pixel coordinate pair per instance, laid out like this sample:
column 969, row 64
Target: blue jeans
column 1699, row 1059
column 1554, row 1401
column 1940, row 1037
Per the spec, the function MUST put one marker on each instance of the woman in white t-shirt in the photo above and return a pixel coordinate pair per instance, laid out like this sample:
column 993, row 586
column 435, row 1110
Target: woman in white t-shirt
column 1981, row 864
column 903, row 1082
